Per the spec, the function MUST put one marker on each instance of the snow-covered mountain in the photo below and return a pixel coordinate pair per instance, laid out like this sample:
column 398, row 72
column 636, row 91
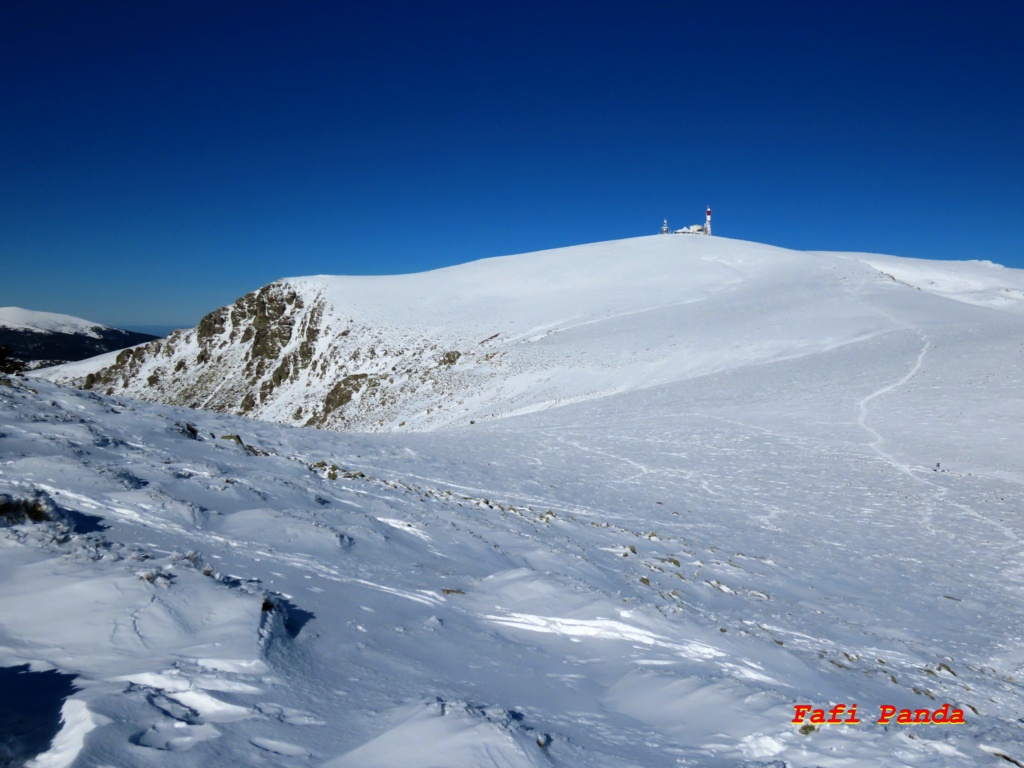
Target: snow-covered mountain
column 37, row 339
column 774, row 479
column 515, row 334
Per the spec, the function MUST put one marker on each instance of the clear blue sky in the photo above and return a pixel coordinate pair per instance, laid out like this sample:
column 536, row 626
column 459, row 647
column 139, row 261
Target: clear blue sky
column 161, row 158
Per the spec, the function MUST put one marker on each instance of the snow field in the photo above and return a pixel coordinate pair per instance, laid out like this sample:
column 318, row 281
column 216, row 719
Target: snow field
column 474, row 607
column 537, row 331
column 790, row 480
column 26, row 319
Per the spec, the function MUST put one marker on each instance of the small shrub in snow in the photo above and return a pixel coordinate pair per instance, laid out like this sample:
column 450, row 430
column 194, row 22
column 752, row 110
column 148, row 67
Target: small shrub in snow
column 18, row 511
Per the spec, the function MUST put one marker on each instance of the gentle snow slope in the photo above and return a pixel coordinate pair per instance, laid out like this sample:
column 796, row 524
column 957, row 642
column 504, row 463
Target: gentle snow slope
column 521, row 333
column 824, row 508
column 17, row 318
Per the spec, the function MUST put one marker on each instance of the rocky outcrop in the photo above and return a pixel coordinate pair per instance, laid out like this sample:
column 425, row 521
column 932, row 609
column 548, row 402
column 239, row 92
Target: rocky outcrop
column 280, row 353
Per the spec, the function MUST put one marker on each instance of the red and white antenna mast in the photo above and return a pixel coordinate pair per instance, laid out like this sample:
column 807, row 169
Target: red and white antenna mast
column 707, row 222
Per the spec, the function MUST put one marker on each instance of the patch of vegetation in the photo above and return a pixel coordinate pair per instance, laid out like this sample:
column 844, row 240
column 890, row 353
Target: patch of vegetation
column 330, row 472
column 17, row 511
column 341, row 393
column 7, row 362
column 333, row 471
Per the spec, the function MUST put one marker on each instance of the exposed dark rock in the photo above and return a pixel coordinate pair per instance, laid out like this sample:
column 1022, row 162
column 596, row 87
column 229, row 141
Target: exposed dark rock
column 272, row 354
column 342, row 392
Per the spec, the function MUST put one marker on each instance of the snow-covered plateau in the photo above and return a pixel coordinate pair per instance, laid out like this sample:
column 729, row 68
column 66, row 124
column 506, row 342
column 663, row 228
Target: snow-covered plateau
column 20, row 319
column 668, row 490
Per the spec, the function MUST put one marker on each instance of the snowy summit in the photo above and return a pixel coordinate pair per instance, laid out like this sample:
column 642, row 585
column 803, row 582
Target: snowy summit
column 660, row 502
column 515, row 334
column 16, row 318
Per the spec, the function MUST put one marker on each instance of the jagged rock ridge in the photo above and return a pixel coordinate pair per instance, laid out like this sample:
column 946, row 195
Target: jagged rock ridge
column 270, row 355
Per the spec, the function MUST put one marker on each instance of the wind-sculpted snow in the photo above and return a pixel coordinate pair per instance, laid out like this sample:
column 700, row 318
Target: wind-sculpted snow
column 776, row 483
column 653, row 578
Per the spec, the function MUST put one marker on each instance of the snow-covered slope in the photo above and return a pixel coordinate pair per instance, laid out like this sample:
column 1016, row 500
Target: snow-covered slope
column 17, row 318
column 43, row 338
column 513, row 334
column 652, row 579
column 812, row 498
column 972, row 282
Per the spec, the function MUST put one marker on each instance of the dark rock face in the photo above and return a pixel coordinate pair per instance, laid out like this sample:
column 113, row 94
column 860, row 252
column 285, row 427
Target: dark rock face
column 285, row 353
column 233, row 361
column 36, row 348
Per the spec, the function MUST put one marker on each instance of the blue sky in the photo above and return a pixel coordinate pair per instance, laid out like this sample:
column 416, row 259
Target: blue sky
column 161, row 158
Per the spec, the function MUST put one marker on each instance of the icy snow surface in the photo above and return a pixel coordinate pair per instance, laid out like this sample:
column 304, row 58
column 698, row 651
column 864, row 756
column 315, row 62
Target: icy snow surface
column 830, row 513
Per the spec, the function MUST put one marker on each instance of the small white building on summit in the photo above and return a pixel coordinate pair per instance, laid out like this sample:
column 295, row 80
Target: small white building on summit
column 693, row 229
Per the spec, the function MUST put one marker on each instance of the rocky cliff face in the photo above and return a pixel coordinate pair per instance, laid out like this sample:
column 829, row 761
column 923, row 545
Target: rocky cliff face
column 276, row 354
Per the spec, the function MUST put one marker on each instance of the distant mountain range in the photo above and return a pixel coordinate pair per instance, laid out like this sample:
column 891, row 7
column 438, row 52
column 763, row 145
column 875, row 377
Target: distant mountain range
column 30, row 340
